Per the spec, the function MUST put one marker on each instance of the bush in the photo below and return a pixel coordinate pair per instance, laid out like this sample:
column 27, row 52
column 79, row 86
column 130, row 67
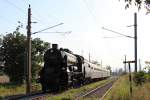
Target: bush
column 147, row 77
column 139, row 78
column 1, row 98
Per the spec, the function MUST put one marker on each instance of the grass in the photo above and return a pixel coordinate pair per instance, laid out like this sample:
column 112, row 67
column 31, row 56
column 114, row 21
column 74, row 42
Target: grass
column 11, row 89
column 142, row 92
column 120, row 91
column 72, row 93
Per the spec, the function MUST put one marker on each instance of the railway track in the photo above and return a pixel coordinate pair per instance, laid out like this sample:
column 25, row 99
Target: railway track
column 98, row 92
column 32, row 96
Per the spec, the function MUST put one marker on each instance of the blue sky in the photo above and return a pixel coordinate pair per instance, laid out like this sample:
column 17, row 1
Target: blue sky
column 85, row 18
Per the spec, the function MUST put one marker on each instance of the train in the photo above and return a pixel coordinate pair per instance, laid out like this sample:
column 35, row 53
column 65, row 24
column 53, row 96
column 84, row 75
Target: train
column 63, row 69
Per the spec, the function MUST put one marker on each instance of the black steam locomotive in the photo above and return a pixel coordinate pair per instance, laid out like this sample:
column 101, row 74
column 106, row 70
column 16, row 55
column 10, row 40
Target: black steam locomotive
column 62, row 68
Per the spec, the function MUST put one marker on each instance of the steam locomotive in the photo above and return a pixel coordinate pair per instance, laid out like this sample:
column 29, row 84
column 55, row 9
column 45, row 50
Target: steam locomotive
column 62, row 69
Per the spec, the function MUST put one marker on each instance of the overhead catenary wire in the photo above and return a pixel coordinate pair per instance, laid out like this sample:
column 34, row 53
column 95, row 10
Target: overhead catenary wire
column 25, row 2
column 98, row 26
column 23, row 11
column 17, row 7
column 40, row 15
column 20, row 9
column 113, row 37
column 6, row 19
column 91, row 13
column 58, row 32
column 9, row 23
column 35, row 11
column 117, row 32
column 47, row 28
column 94, row 20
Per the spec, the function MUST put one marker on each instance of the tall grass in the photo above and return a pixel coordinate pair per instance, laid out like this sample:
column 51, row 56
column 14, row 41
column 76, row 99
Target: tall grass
column 142, row 92
column 13, row 89
column 120, row 91
column 10, row 89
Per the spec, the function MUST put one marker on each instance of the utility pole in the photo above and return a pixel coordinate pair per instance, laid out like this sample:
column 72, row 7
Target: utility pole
column 125, row 67
column 130, row 77
column 139, row 64
column 28, row 79
column 101, row 63
column 135, row 40
column 89, row 58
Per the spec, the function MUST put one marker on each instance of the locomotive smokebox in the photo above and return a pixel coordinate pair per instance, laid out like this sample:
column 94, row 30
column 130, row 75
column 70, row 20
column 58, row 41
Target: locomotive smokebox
column 54, row 46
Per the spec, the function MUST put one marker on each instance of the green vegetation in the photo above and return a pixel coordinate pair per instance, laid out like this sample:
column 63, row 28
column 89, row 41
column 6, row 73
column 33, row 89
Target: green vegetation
column 72, row 93
column 120, row 89
column 139, row 78
column 13, row 89
column 147, row 77
column 13, row 52
column 13, row 49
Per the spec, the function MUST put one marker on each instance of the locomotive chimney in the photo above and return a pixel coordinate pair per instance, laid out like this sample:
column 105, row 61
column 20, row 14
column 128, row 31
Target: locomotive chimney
column 55, row 46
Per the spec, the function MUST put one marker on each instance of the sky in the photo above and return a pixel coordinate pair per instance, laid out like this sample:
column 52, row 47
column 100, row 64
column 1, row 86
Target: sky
column 85, row 19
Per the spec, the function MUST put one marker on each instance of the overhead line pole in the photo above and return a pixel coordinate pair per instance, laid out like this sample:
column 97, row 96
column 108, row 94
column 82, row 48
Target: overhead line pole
column 125, row 67
column 28, row 70
column 135, row 40
column 28, row 79
column 89, row 57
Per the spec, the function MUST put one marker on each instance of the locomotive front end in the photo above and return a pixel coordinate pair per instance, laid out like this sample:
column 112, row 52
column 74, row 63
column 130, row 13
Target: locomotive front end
column 51, row 72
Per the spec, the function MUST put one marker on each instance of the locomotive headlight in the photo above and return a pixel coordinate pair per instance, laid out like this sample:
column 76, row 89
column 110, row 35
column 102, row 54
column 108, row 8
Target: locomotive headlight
column 51, row 51
column 63, row 68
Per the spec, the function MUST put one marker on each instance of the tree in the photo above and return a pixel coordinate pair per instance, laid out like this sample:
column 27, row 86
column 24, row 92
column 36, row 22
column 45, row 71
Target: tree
column 38, row 49
column 147, row 66
column 120, row 71
column 138, row 3
column 14, row 55
column 109, row 68
column 1, row 41
column 13, row 50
